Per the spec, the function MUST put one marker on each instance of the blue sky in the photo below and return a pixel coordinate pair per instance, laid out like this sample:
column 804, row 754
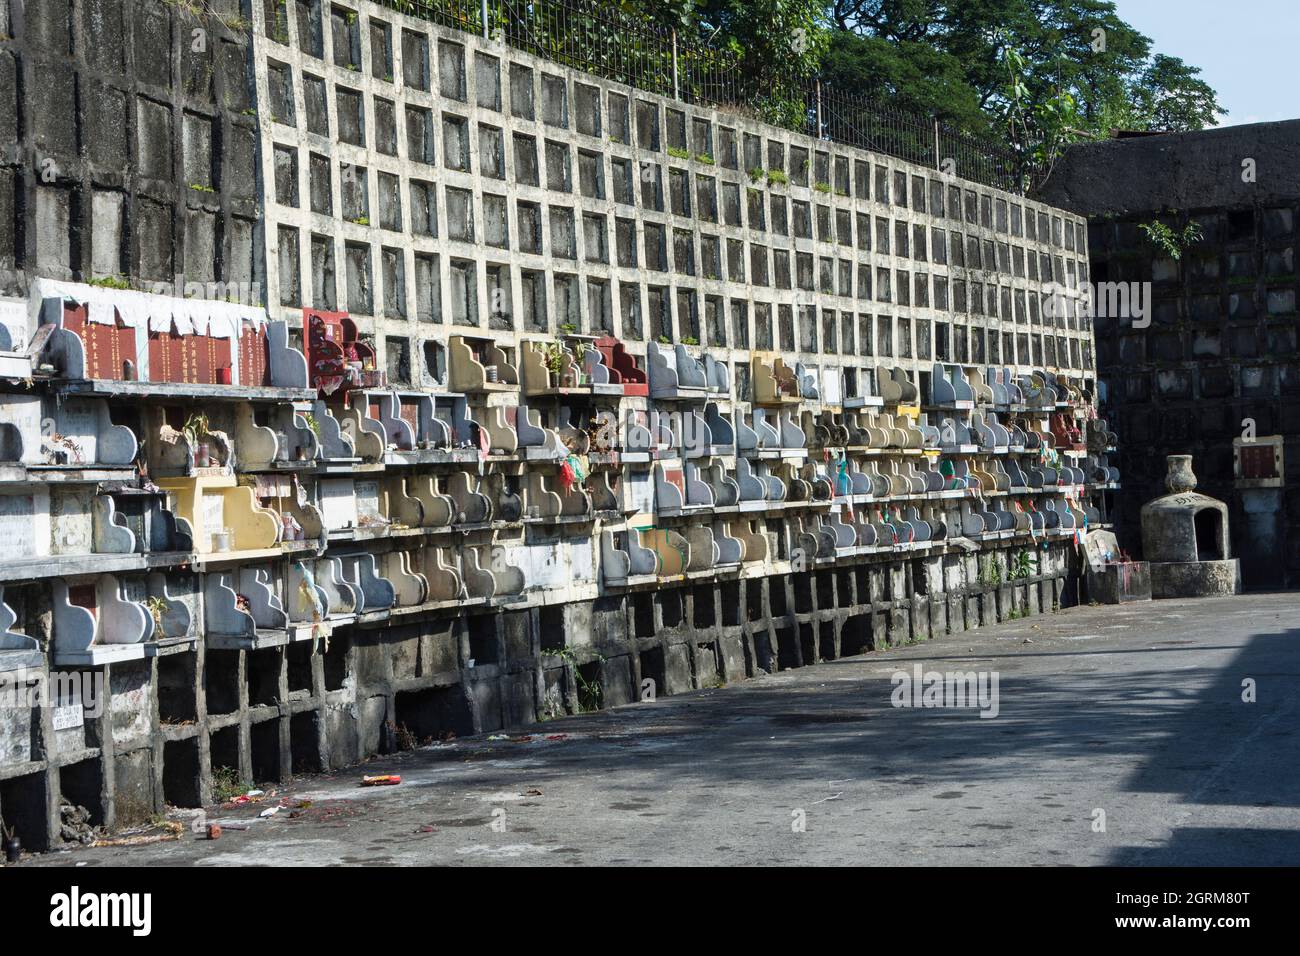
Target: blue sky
column 1247, row 50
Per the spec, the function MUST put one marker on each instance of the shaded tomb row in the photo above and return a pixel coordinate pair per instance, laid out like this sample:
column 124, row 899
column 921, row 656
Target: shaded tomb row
column 241, row 718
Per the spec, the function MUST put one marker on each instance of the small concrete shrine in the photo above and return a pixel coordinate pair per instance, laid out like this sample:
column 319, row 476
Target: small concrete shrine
column 1185, row 539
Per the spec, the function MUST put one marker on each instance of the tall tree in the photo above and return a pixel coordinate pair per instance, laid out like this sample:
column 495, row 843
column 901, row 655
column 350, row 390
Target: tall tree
column 982, row 65
column 1171, row 97
column 1043, row 71
column 1034, row 74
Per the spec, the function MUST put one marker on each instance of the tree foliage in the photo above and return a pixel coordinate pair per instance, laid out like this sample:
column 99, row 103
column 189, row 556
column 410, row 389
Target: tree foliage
column 1030, row 74
column 769, row 39
column 1077, row 66
column 1039, row 72
column 776, row 45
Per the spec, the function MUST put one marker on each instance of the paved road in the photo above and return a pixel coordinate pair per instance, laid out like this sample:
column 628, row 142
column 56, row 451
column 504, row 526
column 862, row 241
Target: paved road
column 1136, row 712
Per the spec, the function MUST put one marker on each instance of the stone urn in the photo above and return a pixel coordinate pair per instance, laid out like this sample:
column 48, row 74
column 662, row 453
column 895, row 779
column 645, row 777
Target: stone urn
column 1180, row 478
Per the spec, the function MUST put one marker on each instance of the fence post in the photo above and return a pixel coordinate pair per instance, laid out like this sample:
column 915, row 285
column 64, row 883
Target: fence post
column 938, row 160
column 819, row 109
column 676, row 92
column 483, row 12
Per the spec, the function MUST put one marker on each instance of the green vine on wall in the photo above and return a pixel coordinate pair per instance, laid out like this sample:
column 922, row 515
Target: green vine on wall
column 591, row 695
column 1172, row 244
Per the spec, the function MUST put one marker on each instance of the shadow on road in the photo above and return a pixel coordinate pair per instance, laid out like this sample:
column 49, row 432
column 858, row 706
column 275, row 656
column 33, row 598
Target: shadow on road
column 1226, row 752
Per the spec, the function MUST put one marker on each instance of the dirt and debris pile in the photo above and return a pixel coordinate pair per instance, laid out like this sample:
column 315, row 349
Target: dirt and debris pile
column 75, row 825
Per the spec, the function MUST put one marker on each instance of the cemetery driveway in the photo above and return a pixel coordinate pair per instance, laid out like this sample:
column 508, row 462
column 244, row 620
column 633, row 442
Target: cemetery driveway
column 1122, row 737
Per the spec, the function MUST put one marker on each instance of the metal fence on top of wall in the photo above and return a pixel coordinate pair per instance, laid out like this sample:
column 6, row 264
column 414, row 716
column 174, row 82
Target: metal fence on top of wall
column 613, row 43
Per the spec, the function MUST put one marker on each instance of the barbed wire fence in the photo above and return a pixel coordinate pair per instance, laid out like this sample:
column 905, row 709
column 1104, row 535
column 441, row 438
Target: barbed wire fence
column 623, row 46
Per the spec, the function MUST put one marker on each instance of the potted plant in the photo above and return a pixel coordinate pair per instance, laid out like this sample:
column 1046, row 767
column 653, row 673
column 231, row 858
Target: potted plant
column 553, row 356
column 195, row 427
column 579, row 353
column 157, row 608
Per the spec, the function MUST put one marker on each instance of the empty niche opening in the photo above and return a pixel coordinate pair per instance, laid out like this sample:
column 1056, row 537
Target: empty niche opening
column 702, row 600
column 483, row 644
column 1241, row 224
column 304, row 742
column 803, row 603
column 754, row 599
column 177, row 688
column 643, row 617
column 778, row 598
column 807, row 644
column 591, row 687
column 435, row 362
column 223, row 751
column 11, row 442
column 551, row 621
column 855, row 636
column 825, row 590
column 263, row 677
column 336, row 663
column 81, row 785
column 920, row 581
column 787, row 652
column 844, row 584
column 731, row 604
column 424, row 716
column 397, row 353
column 23, row 806
column 763, row 651
column 670, row 607
column 863, row 582
column 826, row 641
column 652, row 668
column 181, row 772
column 264, row 739
column 1209, row 526
column 298, row 658
column 221, row 681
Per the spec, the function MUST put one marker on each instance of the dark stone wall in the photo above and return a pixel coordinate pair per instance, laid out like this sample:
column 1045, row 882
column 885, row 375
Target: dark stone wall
column 1200, row 170
column 128, row 143
column 1221, row 347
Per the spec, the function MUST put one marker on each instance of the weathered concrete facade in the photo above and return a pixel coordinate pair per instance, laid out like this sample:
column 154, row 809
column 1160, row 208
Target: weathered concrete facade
column 1219, row 360
column 843, row 417
column 128, row 143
